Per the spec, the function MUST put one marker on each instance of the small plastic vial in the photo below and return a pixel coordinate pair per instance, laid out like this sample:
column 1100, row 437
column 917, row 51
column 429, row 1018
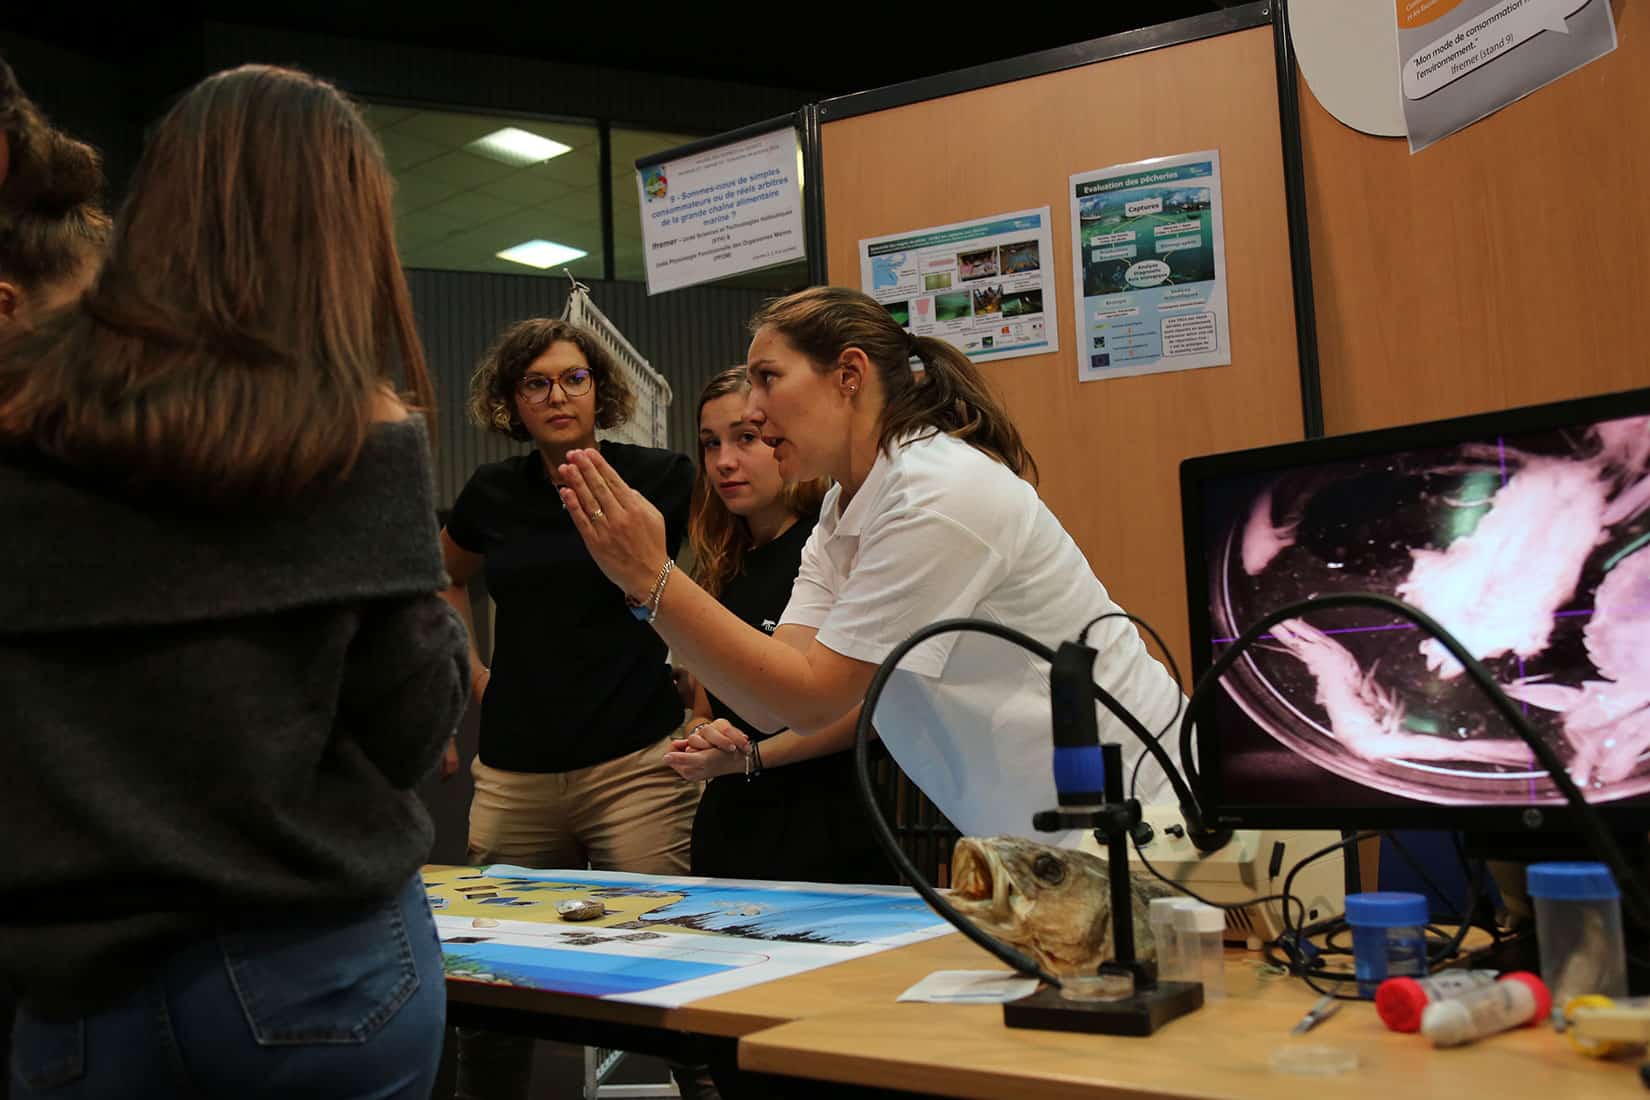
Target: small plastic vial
column 1399, row 1002
column 1160, row 915
column 1201, row 930
column 1516, row 999
column 1578, row 927
column 1387, row 938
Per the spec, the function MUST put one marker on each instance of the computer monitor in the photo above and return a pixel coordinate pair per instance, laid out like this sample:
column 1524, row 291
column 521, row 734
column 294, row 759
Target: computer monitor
column 1525, row 533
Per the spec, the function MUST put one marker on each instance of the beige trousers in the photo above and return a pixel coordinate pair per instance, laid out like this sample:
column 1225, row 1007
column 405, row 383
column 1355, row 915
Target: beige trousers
column 632, row 813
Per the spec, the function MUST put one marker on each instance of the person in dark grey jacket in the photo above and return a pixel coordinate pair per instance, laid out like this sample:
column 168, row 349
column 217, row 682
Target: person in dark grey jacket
column 52, row 236
column 224, row 665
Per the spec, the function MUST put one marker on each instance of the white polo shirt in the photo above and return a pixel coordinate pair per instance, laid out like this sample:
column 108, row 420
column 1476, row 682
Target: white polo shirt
column 940, row 530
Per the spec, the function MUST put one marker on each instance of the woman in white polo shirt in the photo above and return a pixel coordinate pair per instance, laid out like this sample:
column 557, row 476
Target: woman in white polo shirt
column 931, row 517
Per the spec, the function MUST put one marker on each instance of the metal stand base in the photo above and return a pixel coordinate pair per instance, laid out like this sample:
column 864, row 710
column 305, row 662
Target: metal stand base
column 1138, row 1015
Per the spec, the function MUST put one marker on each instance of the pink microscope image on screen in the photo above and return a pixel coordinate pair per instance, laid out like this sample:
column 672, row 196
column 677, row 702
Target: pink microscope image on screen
column 1533, row 550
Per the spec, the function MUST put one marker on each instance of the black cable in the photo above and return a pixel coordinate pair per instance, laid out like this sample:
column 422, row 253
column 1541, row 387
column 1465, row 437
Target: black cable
column 1174, row 670
column 1195, row 896
column 1311, row 974
column 1289, row 931
column 1312, row 980
column 1592, row 825
column 1134, row 773
column 1021, row 962
column 885, row 835
column 1441, row 946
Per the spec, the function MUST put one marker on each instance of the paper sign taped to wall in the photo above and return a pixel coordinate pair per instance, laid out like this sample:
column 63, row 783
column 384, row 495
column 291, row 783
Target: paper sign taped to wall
column 1461, row 60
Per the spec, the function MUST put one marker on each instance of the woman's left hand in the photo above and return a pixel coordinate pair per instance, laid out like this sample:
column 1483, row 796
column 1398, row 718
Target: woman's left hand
column 622, row 529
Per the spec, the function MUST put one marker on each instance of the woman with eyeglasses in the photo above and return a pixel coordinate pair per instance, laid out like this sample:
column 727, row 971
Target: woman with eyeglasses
column 933, row 516
column 578, row 706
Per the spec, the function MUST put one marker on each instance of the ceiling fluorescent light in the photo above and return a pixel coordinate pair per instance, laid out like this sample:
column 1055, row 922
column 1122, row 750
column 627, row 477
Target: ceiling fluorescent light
column 540, row 254
column 518, row 148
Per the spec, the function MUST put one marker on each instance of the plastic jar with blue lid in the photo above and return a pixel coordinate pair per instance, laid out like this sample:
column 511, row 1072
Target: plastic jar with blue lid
column 1388, row 938
column 1578, row 928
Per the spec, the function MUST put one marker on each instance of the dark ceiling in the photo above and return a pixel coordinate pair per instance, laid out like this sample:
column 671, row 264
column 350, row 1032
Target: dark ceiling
column 814, row 47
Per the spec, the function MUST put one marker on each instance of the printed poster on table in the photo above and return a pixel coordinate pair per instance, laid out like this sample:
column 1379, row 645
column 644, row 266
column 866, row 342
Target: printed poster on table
column 985, row 286
column 1465, row 59
column 660, row 940
column 1149, row 251
column 722, row 212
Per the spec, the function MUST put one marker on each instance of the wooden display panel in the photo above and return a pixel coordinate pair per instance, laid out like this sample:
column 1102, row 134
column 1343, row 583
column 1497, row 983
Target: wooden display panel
column 1109, row 450
column 1507, row 265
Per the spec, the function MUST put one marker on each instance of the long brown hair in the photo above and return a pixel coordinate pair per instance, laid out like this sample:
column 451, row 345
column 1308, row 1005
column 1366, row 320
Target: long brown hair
column 493, row 386
column 251, row 305
column 950, row 395
column 51, row 224
column 718, row 537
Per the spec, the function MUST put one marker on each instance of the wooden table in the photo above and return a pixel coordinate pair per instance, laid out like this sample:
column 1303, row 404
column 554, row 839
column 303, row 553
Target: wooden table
column 840, row 1025
column 1221, row 1051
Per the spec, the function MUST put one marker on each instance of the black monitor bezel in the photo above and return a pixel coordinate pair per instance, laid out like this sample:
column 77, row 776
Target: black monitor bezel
column 1194, row 472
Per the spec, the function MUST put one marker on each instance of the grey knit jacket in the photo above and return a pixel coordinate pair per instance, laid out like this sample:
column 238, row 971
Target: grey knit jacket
column 210, row 718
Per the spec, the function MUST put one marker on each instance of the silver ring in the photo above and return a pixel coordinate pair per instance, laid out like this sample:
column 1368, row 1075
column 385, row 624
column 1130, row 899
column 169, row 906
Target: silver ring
column 597, row 514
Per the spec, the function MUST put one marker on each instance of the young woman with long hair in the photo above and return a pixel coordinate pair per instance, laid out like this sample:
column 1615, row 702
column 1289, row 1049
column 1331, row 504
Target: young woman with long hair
column 224, row 664
column 789, row 811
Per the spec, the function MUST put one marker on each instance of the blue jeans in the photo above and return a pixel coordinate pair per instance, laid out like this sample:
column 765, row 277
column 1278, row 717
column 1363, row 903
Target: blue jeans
column 353, row 1009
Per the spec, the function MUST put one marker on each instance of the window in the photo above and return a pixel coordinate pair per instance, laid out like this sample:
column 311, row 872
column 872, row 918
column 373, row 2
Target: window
column 471, row 186
column 522, row 196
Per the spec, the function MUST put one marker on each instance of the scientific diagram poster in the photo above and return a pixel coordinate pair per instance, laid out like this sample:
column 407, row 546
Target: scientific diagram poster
column 1149, row 253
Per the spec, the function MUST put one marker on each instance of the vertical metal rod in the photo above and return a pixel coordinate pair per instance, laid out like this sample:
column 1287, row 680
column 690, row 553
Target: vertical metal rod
column 1117, row 852
column 1300, row 241
column 604, row 161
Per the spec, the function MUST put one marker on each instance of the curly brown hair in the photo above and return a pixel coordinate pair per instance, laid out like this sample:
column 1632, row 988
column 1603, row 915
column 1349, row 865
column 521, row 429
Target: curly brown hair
column 493, row 386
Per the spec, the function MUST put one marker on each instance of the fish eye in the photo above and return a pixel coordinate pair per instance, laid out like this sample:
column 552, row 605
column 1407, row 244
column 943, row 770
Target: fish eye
column 1049, row 869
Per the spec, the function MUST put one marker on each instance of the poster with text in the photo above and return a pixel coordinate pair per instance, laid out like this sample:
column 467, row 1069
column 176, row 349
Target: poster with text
column 722, row 212
column 1149, row 254
column 985, row 286
column 1465, row 59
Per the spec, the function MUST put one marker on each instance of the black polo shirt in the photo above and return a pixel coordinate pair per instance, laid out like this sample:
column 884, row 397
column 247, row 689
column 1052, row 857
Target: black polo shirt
column 576, row 678
column 759, row 593
column 802, row 821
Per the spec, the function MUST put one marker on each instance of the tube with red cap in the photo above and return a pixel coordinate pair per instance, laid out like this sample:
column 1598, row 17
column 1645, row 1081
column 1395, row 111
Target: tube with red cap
column 1518, row 998
column 1400, row 1001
